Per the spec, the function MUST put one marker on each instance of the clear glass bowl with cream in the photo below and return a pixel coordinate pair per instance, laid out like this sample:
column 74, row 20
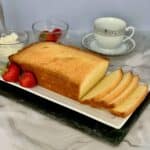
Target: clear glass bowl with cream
column 11, row 42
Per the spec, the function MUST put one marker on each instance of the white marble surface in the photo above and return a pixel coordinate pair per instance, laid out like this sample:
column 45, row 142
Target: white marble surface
column 25, row 128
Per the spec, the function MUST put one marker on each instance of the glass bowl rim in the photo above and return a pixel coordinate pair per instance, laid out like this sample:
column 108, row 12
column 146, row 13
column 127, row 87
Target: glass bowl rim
column 43, row 21
column 17, row 32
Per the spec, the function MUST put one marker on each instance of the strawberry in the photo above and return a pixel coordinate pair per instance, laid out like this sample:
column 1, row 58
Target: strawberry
column 57, row 33
column 57, row 30
column 12, row 73
column 43, row 35
column 14, row 67
column 10, row 76
column 27, row 79
column 47, row 36
column 50, row 36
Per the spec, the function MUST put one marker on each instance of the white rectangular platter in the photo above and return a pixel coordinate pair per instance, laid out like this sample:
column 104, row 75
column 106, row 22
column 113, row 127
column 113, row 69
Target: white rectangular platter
column 100, row 115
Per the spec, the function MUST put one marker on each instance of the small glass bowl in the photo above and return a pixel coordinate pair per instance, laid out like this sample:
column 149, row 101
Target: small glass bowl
column 7, row 49
column 53, row 30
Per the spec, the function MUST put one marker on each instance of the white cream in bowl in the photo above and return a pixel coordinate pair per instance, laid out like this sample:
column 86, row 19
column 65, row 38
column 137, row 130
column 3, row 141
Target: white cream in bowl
column 9, row 44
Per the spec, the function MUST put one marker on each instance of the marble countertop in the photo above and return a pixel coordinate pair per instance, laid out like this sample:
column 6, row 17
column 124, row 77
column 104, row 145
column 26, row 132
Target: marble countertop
column 25, row 128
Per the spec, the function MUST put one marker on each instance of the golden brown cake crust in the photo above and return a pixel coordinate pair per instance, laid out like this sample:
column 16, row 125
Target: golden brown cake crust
column 132, row 102
column 57, row 67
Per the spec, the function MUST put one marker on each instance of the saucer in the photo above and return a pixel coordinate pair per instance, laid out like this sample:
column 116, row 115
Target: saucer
column 89, row 42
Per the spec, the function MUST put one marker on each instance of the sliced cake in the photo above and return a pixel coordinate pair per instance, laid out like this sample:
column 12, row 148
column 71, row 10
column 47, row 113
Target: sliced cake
column 107, row 84
column 66, row 70
column 130, row 103
column 127, row 77
column 130, row 88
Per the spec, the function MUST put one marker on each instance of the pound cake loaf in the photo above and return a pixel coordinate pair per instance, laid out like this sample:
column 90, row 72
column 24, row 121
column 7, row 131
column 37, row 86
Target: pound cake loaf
column 63, row 69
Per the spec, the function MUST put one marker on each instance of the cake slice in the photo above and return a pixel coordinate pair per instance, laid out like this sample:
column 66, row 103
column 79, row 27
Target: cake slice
column 127, row 77
column 107, row 84
column 130, row 103
column 130, row 88
column 66, row 70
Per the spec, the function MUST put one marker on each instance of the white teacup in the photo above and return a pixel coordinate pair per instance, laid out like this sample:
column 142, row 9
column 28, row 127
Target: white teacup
column 110, row 32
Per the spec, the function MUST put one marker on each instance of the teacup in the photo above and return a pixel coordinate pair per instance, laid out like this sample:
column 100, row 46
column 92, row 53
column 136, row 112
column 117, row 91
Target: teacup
column 110, row 32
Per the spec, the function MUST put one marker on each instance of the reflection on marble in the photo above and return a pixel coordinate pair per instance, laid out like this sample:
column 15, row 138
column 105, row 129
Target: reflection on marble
column 25, row 128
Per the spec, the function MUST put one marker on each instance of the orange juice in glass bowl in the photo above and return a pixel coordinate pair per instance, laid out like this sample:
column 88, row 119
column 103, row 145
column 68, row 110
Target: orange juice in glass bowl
column 53, row 30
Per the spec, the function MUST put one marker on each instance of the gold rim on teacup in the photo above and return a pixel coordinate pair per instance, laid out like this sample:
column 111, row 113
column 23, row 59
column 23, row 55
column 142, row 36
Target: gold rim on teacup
column 107, row 32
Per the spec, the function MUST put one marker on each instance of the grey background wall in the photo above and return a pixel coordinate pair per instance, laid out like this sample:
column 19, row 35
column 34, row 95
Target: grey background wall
column 20, row 14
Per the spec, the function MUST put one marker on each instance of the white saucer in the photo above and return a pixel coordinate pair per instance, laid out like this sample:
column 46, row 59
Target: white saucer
column 89, row 42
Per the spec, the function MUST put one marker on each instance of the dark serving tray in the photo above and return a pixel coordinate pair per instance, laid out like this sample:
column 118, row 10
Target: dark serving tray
column 72, row 118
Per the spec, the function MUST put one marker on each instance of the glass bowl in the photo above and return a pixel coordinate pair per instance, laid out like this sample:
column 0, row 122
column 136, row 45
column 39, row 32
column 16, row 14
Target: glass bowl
column 11, row 42
column 53, row 30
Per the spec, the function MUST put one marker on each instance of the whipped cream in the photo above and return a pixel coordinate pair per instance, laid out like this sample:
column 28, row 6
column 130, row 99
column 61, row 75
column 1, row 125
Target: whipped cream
column 12, row 38
column 9, row 44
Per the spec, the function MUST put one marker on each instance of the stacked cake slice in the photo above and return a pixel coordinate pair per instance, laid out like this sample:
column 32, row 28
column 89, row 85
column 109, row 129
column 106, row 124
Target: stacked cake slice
column 121, row 93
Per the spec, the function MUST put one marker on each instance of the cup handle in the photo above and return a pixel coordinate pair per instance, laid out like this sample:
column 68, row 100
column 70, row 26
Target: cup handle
column 132, row 31
column 133, row 44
